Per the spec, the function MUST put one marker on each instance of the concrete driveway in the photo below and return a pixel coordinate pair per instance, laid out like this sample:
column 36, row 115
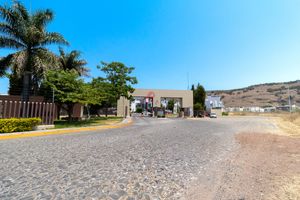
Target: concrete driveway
column 152, row 159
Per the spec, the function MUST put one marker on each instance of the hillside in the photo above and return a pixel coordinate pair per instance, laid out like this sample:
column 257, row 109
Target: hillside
column 268, row 94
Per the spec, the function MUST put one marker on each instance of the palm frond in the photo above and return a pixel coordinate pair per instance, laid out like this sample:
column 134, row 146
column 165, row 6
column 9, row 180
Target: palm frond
column 27, row 34
column 5, row 62
column 19, row 61
column 53, row 38
column 61, row 52
column 42, row 17
column 21, row 10
column 48, row 60
column 6, row 29
column 7, row 14
column 72, row 61
column 10, row 43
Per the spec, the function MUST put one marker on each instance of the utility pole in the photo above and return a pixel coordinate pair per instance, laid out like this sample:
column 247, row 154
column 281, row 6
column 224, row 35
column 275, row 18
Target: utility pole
column 188, row 80
column 52, row 95
column 290, row 106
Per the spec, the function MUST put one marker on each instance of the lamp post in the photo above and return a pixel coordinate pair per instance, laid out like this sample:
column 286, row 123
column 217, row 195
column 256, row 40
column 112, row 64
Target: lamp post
column 290, row 107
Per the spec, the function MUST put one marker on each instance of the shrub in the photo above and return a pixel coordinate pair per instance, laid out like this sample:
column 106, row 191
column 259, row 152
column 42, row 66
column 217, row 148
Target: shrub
column 139, row 110
column 225, row 113
column 18, row 125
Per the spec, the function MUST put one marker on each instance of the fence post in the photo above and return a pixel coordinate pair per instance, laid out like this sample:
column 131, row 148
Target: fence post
column 36, row 105
column 23, row 108
column 53, row 113
column 47, row 113
column 15, row 108
column 50, row 113
column 9, row 109
column 40, row 110
column 1, row 109
column 32, row 107
column 5, row 107
column 28, row 108
column 19, row 108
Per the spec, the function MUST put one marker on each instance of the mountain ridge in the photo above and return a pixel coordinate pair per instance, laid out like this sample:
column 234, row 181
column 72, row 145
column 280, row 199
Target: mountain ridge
column 265, row 94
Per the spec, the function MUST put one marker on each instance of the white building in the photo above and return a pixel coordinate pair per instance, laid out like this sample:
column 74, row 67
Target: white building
column 213, row 102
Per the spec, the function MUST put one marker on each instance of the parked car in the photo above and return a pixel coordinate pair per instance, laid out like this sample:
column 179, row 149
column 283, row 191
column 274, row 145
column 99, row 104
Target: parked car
column 213, row 115
column 147, row 114
column 201, row 115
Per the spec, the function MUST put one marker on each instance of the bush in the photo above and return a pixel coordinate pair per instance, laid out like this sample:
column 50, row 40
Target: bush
column 18, row 125
column 225, row 113
column 139, row 110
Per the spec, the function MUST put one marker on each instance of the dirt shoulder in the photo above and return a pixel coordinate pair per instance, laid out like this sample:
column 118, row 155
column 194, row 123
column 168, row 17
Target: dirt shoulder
column 266, row 166
column 288, row 123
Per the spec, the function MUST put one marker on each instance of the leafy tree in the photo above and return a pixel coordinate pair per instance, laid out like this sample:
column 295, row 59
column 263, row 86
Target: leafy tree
column 198, row 108
column 68, row 61
column 104, row 89
column 170, row 105
column 27, row 34
column 15, row 86
column 117, row 82
column 92, row 96
column 193, row 87
column 199, row 98
column 68, row 87
column 199, row 95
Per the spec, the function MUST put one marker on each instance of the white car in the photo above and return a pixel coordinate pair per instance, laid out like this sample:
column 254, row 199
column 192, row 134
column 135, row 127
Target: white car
column 213, row 115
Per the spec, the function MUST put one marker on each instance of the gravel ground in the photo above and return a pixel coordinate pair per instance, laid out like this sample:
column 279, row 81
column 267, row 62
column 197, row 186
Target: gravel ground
column 152, row 159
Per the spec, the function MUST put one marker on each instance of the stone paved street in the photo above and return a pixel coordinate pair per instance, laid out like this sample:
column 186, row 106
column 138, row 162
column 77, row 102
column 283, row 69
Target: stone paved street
column 152, row 159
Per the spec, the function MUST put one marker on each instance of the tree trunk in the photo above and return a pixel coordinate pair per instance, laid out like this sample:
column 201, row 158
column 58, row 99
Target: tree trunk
column 70, row 112
column 27, row 76
column 58, row 112
column 98, row 113
column 106, row 110
column 88, row 111
column 26, row 86
column 35, row 84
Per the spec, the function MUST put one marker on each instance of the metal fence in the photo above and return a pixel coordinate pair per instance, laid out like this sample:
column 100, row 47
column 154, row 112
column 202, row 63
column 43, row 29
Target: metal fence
column 27, row 109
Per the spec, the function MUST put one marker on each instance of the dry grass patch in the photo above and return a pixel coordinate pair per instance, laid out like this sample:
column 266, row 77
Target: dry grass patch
column 266, row 167
column 289, row 123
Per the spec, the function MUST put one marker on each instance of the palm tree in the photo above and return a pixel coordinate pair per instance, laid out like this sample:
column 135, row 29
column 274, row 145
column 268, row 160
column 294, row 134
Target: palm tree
column 26, row 34
column 69, row 61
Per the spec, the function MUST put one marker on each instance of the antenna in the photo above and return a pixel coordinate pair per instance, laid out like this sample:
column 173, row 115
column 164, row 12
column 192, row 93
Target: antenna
column 188, row 81
column 290, row 106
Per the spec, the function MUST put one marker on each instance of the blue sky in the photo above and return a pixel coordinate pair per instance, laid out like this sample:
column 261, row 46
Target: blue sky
column 220, row 44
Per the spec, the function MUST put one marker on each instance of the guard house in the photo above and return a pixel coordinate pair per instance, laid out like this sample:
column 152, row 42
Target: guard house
column 151, row 101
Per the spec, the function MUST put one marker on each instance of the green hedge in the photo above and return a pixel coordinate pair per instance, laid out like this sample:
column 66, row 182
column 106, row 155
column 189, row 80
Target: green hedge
column 139, row 110
column 225, row 113
column 18, row 125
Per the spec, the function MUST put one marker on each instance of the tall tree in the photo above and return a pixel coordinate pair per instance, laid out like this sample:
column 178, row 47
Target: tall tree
column 118, row 76
column 27, row 34
column 103, row 91
column 170, row 105
column 69, row 89
column 199, row 98
column 69, row 61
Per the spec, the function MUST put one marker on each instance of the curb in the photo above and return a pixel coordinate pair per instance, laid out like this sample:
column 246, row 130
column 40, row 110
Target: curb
column 9, row 136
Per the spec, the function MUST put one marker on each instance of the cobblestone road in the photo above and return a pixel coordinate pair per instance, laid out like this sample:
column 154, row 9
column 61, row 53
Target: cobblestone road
column 152, row 159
